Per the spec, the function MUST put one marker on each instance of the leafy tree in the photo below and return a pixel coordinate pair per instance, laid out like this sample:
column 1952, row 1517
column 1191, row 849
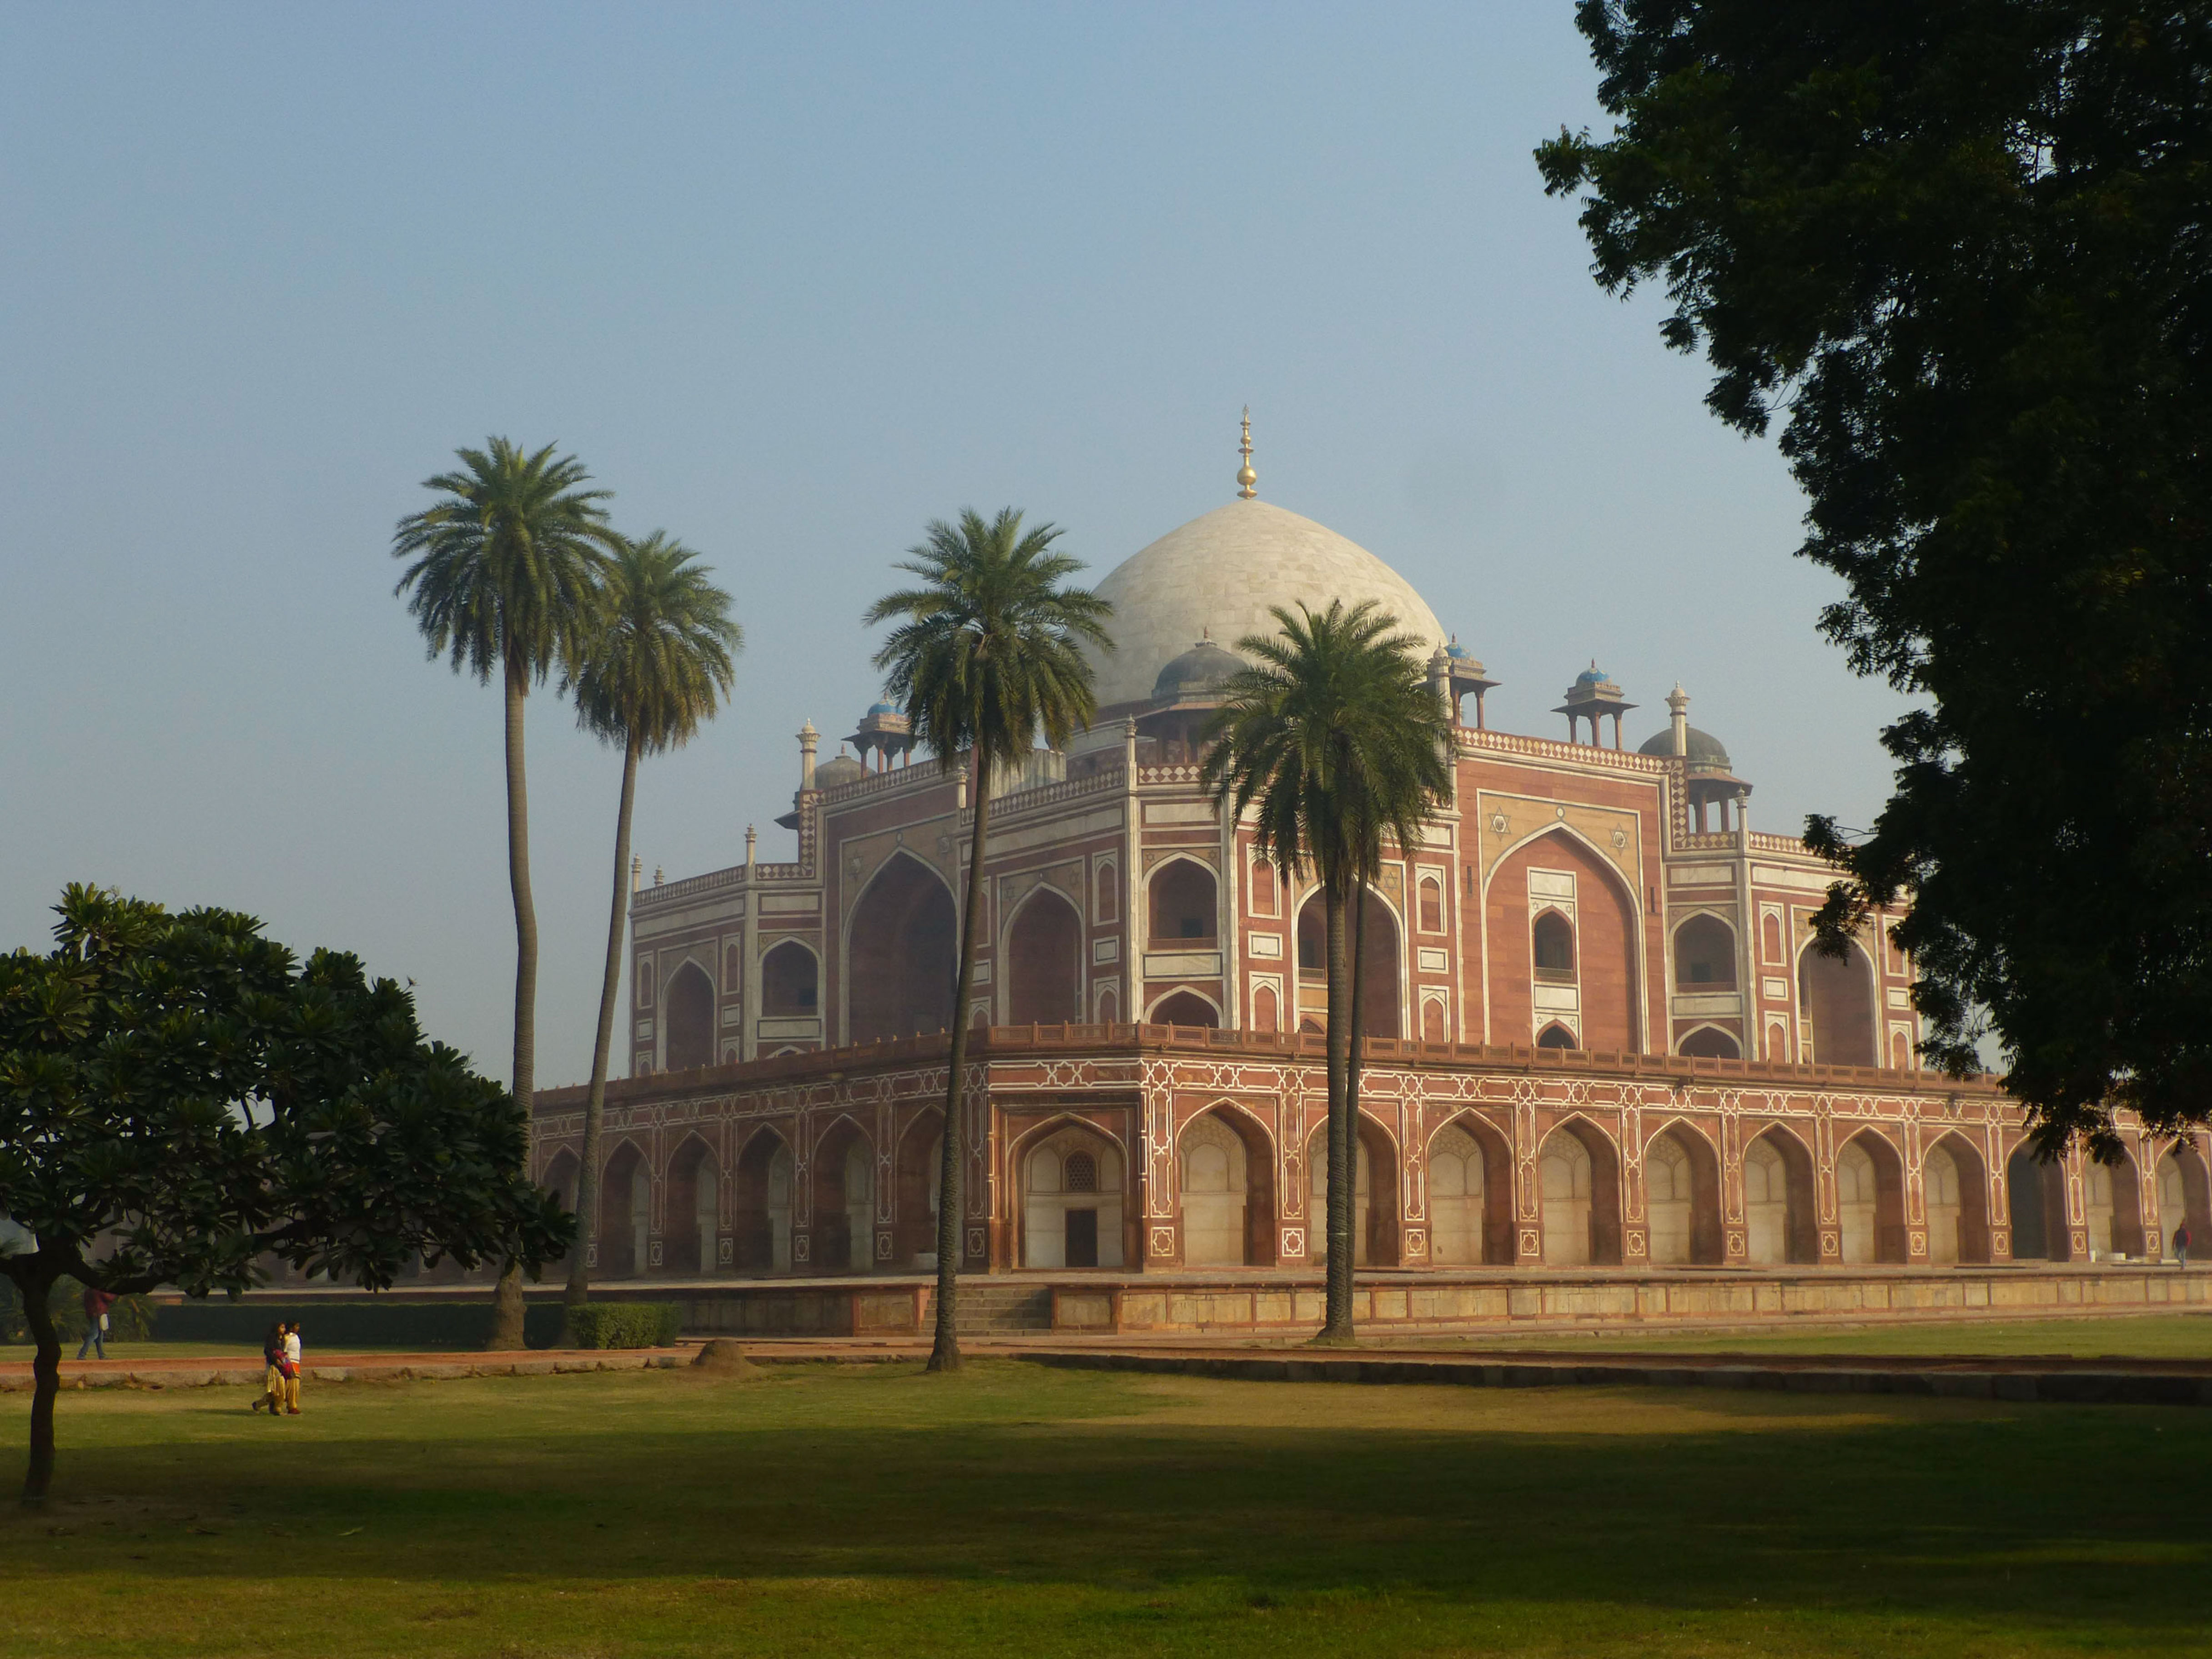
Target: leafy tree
column 180, row 1096
column 1963, row 250
column 1336, row 737
column 649, row 677
column 985, row 658
column 504, row 575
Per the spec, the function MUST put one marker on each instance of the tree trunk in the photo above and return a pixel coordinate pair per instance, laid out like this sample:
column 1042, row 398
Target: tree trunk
column 506, row 1300
column 945, row 1355
column 595, row 1102
column 45, row 1383
column 1355, row 946
column 1336, row 1326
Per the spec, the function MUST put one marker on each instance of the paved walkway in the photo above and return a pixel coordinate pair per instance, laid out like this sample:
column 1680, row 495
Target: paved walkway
column 2013, row 1376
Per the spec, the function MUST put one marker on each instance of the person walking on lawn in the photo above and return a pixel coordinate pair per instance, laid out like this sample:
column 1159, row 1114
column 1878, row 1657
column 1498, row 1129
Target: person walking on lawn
column 292, row 1370
column 272, row 1380
column 97, row 1304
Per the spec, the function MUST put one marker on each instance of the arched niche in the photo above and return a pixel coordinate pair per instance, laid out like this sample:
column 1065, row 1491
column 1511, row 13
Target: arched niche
column 843, row 1169
column 2115, row 1206
column 1073, row 1183
column 1704, row 954
column 1380, row 958
column 1227, row 1191
column 1591, row 1214
column 921, row 1162
column 625, row 1213
column 1183, row 1008
column 1374, row 1192
column 693, row 1232
column 1555, row 1035
column 688, row 1010
column 2185, row 1198
column 1470, row 1195
column 1432, row 891
column 902, row 954
column 1599, row 997
column 791, row 982
column 1682, row 1199
column 1870, row 1199
column 1709, row 1043
column 563, row 1175
column 1779, row 1215
column 1954, row 1195
column 761, row 1199
column 1184, row 906
column 2035, row 1192
column 1044, row 962
column 1837, row 997
column 1552, row 946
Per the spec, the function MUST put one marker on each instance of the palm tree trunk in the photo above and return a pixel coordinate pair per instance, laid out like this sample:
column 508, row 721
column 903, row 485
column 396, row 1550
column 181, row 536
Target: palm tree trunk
column 45, row 1383
column 1356, row 947
column 1336, row 1326
column 595, row 1102
column 506, row 1300
column 945, row 1354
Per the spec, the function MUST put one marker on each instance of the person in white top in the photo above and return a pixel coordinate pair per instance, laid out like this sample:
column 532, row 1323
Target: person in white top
column 292, row 1370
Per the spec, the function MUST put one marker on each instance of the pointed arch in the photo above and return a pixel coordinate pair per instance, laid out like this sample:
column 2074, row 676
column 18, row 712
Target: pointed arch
column 1705, row 953
column 563, row 1175
column 1375, row 1210
column 790, row 980
column 1709, row 1041
column 693, row 1230
column 2114, row 1199
column 900, row 952
column 625, row 1211
column 1485, row 1194
column 1955, row 1197
column 1578, row 1184
column 920, row 1160
column 1043, row 954
column 761, row 1189
column 1183, row 904
column 2035, row 1194
column 1381, row 947
column 1184, row 1006
column 1682, row 1196
column 688, row 1012
column 1781, row 1216
column 1226, row 1188
column 1604, row 1001
column 1073, row 1195
column 842, row 1174
column 1838, row 998
column 1870, row 1199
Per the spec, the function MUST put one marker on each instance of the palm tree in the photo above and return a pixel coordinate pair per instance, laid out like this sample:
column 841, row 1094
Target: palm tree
column 648, row 678
column 1336, row 736
column 504, row 575
column 985, row 658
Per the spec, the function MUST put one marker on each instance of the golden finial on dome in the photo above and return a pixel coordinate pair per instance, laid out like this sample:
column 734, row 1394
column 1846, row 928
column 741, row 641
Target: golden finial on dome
column 1246, row 477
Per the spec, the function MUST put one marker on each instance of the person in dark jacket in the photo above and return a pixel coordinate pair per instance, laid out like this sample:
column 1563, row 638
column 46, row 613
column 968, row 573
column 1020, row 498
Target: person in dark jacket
column 272, row 1380
column 97, row 1304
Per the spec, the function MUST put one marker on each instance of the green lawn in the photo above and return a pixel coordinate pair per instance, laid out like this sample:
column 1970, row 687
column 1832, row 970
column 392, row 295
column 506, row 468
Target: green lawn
column 2138, row 1336
column 1016, row 1510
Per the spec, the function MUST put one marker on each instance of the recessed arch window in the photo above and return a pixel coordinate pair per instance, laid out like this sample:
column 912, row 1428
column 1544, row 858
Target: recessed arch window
column 1182, row 901
column 1109, row 893
column 644, row 982
column 1432, row 905
column 1704, row 954
column 1263, row 889
column 790, row 981
column 1552, row 945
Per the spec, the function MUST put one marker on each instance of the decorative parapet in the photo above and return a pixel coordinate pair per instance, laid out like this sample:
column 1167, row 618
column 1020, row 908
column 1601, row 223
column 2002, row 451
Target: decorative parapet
column 1016, row 803
column 1169, row 774
column 1471, row 740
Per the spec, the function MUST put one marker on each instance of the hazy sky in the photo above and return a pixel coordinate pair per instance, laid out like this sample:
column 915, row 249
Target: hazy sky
column 791, row 283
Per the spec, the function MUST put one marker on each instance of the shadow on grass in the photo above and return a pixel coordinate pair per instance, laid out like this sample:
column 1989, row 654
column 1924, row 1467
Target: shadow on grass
column 1281, row 1495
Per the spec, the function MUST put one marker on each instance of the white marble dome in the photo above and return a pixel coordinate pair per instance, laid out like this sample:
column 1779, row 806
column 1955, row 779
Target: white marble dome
column 1218, row 576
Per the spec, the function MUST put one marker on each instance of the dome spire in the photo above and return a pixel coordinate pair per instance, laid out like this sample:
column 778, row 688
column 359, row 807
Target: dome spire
column 1246, row 477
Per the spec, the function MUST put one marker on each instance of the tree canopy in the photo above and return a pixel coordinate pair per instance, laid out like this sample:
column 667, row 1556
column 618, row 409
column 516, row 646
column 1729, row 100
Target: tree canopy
column 180, row 1096
column 1961, row 250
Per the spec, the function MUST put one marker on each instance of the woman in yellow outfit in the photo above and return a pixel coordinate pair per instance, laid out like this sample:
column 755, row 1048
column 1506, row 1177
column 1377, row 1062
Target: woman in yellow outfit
column 272, row 1381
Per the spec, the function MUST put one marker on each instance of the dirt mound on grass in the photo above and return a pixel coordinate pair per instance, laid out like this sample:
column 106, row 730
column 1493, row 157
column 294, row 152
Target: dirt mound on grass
column 723, row 1357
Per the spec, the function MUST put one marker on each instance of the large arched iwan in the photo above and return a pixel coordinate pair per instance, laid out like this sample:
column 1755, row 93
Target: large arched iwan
column 1044, row 966
column 900, row 954
column 1605, row 941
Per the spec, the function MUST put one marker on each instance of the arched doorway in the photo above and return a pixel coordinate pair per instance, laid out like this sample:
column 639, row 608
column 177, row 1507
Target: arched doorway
column 2036, row 1193
column 920, row 1159
column 1374, row 1197
column 1709, row 1042
column 2183, row 1195
column 844, row 1171
column 694, row 1213
column 762, row 1201
column 625, row 1213
column 1956, row 1197
column 1582, row 967
column 1226, row 1215
column 902, row 954
column 1682, row 1199
column 1044, row 962
column 1071, row 1200
column 790, row 981
column 1555, row 1035
column 1379, row 954
column 1870, row 1199
column 1838, row 998
column 1939, row 1186
column 1578, row 1177
column 1704, row 954
column 1777, row 1201
column 688, row 1006
column 1184, row 1008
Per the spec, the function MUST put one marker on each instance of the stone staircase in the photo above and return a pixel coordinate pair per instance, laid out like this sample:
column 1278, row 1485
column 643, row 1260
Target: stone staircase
column 995, row 1309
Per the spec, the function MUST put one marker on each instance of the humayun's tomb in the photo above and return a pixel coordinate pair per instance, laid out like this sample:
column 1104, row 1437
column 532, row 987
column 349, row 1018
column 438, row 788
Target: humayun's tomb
column 1605, row 1066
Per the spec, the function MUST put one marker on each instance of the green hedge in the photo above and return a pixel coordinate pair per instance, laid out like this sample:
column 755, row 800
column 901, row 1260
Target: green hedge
column 330, row 1327
column 628, row 1324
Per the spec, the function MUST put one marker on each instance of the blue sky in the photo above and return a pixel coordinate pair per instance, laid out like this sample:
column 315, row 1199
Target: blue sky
column 791, row 283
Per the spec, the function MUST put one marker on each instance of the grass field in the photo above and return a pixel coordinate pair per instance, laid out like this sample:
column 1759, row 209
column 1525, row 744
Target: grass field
column 817, row 1511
